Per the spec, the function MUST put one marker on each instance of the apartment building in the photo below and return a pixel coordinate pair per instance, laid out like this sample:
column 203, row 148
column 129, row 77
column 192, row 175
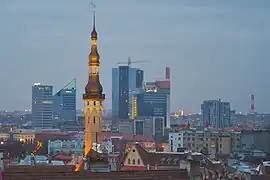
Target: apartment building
column 212, row 142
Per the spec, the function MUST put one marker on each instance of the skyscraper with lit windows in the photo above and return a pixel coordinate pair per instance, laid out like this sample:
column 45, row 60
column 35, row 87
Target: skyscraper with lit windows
column 42, row 108
column 125, row 81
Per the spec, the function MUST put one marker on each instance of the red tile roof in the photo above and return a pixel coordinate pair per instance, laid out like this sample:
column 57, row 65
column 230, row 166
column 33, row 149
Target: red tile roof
column 62, row 157
column 163, row 159
column 131, row 137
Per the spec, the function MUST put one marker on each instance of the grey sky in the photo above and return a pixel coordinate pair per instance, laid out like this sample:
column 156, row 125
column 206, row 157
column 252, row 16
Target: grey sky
column 215, row 48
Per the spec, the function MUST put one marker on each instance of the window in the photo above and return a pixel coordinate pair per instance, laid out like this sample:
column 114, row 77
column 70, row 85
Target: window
column 94, row 120
column 138, row 161
column 94, row 103
column 133, row 161
column 128, row 161
column 133, row 150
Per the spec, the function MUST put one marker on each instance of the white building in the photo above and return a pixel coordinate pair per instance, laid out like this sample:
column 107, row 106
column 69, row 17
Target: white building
column 176, row 141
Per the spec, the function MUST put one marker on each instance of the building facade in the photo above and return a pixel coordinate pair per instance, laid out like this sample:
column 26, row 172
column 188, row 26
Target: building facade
column 139, row 127
column 207, row 141
column 176, row 142
column 42, row 108
column 64, row 103
column 216, row 114
column 125, row 80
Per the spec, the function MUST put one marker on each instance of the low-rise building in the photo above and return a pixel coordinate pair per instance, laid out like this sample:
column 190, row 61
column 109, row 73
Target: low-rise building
column 137, row 158
column 23, row 135
column 209, row 141
column 176, row 142
column 4, row 136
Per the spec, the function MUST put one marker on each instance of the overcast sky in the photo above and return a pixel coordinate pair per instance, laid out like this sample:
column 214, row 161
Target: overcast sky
column 216, row 49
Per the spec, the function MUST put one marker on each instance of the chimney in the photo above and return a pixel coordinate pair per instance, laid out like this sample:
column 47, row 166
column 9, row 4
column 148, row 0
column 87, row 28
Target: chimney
column 168, row 72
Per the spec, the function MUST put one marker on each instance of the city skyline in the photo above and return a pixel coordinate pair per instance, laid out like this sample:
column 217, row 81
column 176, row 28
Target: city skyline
column 220, row 48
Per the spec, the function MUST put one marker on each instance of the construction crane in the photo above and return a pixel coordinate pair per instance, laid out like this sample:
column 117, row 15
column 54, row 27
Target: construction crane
column 129, row 62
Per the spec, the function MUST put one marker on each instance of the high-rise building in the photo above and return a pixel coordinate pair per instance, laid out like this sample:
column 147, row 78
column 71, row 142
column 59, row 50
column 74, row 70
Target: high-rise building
column 139, row 127
column 64, row 103
column 165, row 87
column 125, row 80
column 42, row 112
column 149, row 103
column 93, row 97
column 216, row 114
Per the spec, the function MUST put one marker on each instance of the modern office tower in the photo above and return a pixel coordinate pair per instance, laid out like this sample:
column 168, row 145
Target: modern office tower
column 125, row 80
column 42, row 112
column 149, row 103
column 216, row 114
column 165, row 87
column 64, row 103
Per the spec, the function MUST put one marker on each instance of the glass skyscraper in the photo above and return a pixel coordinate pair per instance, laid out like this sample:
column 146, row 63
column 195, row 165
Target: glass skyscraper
column 125, row 80
column 64, row 102
column 42, row 113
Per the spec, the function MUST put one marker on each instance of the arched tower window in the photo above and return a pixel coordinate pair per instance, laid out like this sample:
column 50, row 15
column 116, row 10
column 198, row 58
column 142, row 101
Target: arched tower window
column 133, row 161
column 128, row 161
column 94, row 103
column 138, row 161
column 94, row 120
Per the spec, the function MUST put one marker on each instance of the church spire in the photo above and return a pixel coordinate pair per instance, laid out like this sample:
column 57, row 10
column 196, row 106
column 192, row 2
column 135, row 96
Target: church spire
column 94, row 32
column 93, row 87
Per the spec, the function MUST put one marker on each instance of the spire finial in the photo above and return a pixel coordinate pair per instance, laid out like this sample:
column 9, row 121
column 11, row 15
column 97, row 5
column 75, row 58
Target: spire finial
column 94, row 14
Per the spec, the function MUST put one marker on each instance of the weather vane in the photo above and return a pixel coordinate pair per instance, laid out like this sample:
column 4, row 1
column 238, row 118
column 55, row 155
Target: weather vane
column 93, row 4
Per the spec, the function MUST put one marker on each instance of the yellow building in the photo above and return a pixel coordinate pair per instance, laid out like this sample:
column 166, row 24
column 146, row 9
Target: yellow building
column 26, row 137
column 4, row 136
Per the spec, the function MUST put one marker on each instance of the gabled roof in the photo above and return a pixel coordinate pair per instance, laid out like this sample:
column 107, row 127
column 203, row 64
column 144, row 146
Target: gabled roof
column 163, row 158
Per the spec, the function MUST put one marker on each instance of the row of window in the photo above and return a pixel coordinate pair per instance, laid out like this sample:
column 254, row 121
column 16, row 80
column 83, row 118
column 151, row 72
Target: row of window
column 134, row 161
column 94, row 103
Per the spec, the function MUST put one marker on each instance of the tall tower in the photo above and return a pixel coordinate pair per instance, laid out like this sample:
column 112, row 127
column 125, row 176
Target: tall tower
column 93, row 96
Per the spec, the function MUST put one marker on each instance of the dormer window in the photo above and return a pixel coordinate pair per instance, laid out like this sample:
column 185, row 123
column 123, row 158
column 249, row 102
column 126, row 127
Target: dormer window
column 169, row 160
column 162, row 160
column 175, row 160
